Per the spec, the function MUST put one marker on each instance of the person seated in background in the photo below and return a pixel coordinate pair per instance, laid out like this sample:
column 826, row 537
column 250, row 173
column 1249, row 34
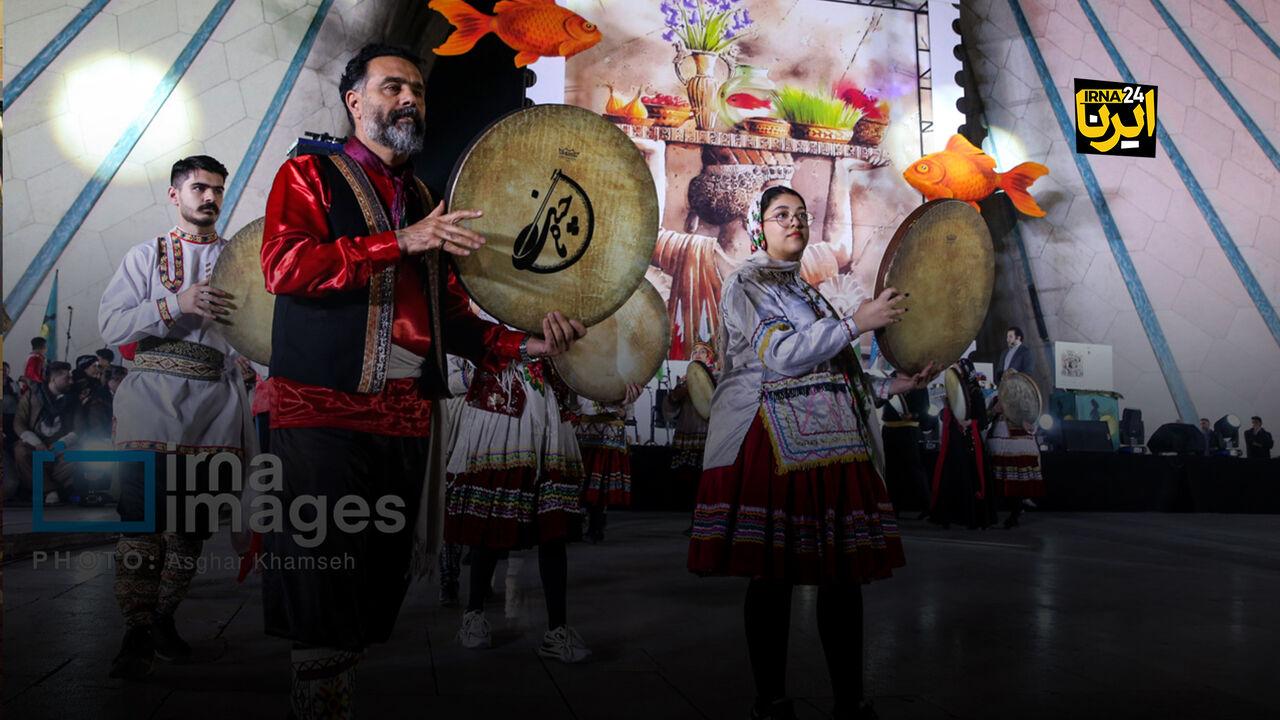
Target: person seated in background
column 1257, row 441
column 45, row 416
column 93, row 402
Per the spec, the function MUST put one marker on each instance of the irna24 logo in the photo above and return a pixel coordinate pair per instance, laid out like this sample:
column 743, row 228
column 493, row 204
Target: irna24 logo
column 1114, row 118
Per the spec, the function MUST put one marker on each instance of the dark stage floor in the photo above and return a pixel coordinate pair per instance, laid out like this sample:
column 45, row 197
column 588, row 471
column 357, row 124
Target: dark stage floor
column 1070, row 616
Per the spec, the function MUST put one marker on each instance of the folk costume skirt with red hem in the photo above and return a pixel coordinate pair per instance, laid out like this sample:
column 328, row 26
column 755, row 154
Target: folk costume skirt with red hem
column 511, row 508
column 606, row 461
column 829, row 524
column 1015, row 462
column 608, row 476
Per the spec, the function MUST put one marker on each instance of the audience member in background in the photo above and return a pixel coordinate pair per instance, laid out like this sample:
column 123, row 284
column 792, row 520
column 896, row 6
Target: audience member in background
column 34, row 373
column 1211, row 442
column 106, row 358
column 1017, row 357
column 44, row 417
column 93, row 407
column 118, row 373
column 1257, row 442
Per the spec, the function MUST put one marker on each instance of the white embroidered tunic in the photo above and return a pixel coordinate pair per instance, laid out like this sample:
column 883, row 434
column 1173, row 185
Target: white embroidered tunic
column 184, row 396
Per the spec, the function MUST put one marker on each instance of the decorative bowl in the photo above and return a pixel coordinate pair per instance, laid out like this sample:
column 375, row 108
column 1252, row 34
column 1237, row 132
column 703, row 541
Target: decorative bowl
column 668, row 115
column 820, row 133
column 766, row 127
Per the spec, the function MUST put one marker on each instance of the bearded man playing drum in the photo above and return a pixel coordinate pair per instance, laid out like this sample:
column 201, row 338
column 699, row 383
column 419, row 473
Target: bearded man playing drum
column 790, row 493
column 365, row 309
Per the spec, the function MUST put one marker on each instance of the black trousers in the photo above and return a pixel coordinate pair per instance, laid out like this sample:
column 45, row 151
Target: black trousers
column 346, row 591
column 171, row 495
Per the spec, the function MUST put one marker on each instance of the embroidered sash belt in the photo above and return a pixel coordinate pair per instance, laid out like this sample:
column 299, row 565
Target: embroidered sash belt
column 179, row 358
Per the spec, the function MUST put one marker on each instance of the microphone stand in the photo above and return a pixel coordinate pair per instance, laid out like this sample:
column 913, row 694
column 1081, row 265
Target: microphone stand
column 66, row 350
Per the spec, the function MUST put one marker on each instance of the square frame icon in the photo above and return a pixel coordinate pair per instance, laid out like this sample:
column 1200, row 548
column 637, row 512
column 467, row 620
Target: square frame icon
column 148, row 461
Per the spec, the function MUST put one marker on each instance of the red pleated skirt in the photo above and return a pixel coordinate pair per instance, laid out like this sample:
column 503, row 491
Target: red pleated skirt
column 823, row 525
column 1015, row 464
column 512, row 508
column 608, row 472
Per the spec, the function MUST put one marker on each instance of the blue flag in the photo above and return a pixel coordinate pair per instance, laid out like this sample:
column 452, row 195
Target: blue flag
column 49, row 327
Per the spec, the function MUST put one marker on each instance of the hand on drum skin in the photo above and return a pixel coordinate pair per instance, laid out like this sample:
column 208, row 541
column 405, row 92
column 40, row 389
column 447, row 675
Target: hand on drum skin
column 900, row 385
column 205, row 300
column 558, row 334
column 680, row 391
column 875, row 313
column 440, row 230
column 633, row 392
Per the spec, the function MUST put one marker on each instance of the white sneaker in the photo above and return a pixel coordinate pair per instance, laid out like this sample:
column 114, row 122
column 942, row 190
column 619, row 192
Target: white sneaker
column 563, row 644
column 475, row 631
column 51, row 498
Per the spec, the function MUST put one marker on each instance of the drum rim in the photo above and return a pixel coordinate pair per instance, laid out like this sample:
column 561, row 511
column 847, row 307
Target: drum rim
column 951, row 371
column 451, row 186
column 886, row 262
column 223, row 331
column 665, row 325
column 711, row 378
column 1023, row 378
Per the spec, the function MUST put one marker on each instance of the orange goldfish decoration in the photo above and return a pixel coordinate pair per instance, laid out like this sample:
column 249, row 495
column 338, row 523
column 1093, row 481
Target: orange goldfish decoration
column 964, row 172
column 533, row 28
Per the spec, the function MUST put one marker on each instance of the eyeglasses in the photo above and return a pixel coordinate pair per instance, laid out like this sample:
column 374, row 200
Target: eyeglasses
column 784, row 217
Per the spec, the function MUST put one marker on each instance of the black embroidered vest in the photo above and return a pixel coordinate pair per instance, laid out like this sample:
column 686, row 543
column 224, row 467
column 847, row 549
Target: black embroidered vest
column 343, row 340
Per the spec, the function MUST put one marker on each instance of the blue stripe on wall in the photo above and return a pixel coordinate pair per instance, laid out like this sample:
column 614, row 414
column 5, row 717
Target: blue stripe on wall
column 1141, row 303
column 75, row 216
column 251, row 156
column 1263, row 142
column 1216, row 226
column 49, row 52
column 1255, row 27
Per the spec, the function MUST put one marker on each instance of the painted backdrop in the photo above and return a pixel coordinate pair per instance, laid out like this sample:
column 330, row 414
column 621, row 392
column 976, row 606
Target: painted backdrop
column 709, row 162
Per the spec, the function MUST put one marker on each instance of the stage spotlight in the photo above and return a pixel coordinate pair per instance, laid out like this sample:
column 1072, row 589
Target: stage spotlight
column 101, row 98
column 1228, row 429
column 1046, row 422
column 1005, row 147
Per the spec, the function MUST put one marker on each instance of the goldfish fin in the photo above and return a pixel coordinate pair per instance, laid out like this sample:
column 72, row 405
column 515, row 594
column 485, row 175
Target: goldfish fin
column 959, row 144
column 526, row 57
column 470, row 25
column 975, row 206
column 1015, row 184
